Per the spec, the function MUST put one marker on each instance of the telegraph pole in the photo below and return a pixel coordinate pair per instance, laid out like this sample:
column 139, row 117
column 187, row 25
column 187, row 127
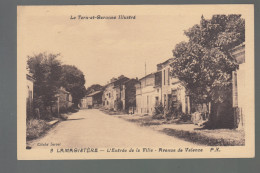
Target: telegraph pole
column 145, row 72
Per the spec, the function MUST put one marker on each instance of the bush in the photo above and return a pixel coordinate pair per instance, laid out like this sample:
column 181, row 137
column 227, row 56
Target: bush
column 35, row 128
column 158, row 112
column 185, row 117
column 64, row 116
column 158, row 109
column 157, row 116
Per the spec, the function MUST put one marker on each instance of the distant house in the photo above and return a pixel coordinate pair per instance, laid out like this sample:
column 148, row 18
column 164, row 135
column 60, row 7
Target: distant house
column 83, row 103
column 119, row 94
column 94, row 99
column 127, row 95
column 29, row 96
column 112, row 92
column 148, row 93
column 108, row 98
column 64, row 100
column 238, row 85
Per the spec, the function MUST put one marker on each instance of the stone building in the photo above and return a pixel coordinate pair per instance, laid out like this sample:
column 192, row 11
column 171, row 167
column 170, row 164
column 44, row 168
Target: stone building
column 93, row 100
column 65, row 99
column 112, row 92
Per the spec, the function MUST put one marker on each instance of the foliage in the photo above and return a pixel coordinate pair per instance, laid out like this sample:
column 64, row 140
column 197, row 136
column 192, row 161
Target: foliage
column 157, row 116
column 204, row 63
column 49, row 75
column 73, row 80
column 46, row 70
column 158, row 108
column 184, row 117
column 158, row 111
column 36, row 128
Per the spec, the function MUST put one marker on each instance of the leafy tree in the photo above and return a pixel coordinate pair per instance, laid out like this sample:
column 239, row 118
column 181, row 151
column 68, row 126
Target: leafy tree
column 204, row 63
column 46, row 70
column 93, row 88
column 73, row 80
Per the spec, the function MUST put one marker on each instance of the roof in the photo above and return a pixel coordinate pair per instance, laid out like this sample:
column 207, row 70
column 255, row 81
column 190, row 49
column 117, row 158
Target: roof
column 165, row 62
column 127, row 81
column 147, row 76
column 117, row 81
column 236, row 48
column 238, row 53
column 94, row 93
column 29, row 77
column 121, row 81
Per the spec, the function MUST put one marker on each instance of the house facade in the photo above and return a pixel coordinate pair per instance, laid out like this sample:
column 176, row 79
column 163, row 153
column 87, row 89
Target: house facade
column 29, row 96
column 64, row 99
column 108, row 96
column 128, row 95
column 238, row 85
column 114, row 92
column 148, row 93
column 173, row 92
column 93, row 100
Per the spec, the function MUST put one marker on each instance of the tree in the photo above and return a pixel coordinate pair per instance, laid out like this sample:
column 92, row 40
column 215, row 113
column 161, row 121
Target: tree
column 46, row 70
column 204, row 63
column 73, row 80
column 93, row 88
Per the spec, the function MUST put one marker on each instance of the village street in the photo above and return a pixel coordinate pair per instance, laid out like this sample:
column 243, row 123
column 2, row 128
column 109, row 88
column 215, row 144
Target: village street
column 93, row 128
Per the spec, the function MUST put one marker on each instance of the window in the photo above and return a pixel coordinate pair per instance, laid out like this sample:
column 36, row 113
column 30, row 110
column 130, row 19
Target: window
column 168, row 76
column 174, row 92
column 156, row 101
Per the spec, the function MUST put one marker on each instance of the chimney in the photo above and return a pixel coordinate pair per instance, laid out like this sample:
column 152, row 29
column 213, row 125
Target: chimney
column 113, row 79
column 159, row 67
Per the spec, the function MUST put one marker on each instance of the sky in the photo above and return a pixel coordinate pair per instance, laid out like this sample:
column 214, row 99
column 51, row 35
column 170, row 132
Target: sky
column 107, row 48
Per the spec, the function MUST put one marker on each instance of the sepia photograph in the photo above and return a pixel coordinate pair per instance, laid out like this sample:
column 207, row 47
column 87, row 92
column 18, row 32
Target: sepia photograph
column 135, row 82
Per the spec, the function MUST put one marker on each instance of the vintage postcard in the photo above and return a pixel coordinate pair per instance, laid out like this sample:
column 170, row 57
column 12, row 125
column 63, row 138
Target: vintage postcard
column 135, row 82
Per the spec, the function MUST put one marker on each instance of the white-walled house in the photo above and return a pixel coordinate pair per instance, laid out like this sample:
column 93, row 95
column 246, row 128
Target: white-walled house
column 29, row 95
column 238, row 84
column 173, row 92
column 148, row 93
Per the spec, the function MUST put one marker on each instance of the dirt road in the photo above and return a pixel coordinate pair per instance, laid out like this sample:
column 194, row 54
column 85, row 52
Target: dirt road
column 93, row 128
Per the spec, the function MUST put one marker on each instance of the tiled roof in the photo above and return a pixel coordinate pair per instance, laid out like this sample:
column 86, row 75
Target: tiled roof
column 94, row 93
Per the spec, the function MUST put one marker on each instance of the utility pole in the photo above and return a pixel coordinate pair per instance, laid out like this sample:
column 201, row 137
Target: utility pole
column 58, row 104
column 145, row 72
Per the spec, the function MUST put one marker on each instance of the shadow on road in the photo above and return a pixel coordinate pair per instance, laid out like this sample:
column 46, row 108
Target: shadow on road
column 75, row 119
